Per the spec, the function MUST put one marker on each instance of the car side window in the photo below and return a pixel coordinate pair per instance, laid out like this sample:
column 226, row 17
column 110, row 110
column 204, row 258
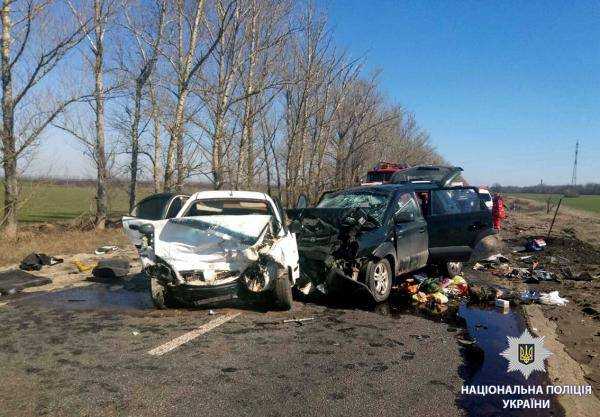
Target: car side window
column 151, row 209
column 175, row 207
column 455, row 201
column 406, row 203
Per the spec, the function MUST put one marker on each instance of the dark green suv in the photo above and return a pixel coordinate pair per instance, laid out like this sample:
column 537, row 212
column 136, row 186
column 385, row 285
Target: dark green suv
column 362, row 237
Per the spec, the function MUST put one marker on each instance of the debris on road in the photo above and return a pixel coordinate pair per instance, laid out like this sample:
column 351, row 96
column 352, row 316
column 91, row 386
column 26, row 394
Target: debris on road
column 15, row 280
column 104, row 250
column 552, row 298
column 300, row 320
column 111, row 269
column 35, row 261
column 535, row 245
column 84, row 267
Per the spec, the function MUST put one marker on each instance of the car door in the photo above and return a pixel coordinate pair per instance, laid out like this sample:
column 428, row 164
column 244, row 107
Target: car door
column 410, row 230
column 150, row 208
column 456, row 220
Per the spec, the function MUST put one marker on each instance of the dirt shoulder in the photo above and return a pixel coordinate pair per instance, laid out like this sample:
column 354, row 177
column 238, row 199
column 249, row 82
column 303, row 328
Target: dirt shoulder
column 573, row 251
column 56, row 239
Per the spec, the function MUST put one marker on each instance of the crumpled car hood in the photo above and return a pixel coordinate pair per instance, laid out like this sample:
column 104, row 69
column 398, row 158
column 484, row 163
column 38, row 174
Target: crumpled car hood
column 218, row 243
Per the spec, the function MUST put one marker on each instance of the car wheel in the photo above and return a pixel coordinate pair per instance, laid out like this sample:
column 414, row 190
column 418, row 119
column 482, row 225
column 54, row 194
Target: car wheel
column 159, row 294
column 454, row 268
column 379, row 279
column 282, row 291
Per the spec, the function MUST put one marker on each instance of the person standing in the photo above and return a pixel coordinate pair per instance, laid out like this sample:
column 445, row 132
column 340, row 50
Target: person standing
column 498, row 211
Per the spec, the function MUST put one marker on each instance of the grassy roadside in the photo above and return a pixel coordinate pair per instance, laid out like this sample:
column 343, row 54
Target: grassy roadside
column 590, row 203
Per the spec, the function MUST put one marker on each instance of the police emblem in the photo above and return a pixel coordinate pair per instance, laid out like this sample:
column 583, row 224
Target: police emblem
column 526, row 354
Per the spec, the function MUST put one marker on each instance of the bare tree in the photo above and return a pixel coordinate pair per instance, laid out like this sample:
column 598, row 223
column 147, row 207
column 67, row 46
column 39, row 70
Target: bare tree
column 147, row 37
column 35, row 39
column 187, row 58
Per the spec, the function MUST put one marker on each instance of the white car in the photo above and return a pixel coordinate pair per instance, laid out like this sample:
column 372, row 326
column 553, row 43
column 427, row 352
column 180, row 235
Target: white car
column 486, row 196
column 221, row 245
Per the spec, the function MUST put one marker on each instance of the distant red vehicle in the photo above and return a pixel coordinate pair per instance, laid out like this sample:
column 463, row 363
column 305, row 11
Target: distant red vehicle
column 383, row 171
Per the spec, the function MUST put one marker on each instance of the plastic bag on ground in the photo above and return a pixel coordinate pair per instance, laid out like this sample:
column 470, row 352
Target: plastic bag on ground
column 552, row 298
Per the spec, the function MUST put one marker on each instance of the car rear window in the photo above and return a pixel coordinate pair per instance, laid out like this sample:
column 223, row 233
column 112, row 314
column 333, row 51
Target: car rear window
column 227, row 207
column 455, row 201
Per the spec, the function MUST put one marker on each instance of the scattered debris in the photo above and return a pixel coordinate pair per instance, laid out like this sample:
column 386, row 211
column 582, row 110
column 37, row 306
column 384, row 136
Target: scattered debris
column 15, row 280
column 110, row 269
column 83, row 267
column 211, row 312
column 301, row 320
column 502, row 303
column 35, row 261
column 530, row 296
column 535, row 245
column 552, row 298
column 104, row 250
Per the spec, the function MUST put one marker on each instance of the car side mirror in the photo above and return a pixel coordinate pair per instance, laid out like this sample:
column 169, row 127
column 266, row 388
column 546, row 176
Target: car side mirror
column 145, row 229
column 404, row 217
column 302, row 201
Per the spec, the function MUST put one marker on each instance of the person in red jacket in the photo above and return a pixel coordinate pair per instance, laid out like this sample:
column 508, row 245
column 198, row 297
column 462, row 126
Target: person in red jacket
column 498, row 212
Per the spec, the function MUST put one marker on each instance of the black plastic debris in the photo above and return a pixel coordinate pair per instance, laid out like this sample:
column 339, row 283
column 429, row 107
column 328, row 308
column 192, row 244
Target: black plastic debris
column 35, row 261
column 15, row 280
column 110, row 269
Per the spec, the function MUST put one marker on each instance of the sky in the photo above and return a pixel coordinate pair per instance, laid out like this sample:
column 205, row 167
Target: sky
column 505, row 88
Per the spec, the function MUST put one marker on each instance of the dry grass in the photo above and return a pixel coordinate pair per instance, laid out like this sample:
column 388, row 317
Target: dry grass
column 55, row 240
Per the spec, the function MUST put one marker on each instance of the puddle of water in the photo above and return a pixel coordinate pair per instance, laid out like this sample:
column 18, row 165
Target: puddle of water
column 489, row 327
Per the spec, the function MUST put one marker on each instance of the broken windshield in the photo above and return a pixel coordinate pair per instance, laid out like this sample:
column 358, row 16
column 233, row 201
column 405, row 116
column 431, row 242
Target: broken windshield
column 374, row 203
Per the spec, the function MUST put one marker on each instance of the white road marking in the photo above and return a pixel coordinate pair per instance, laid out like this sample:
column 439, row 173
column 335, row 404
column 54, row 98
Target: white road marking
column 184, row 338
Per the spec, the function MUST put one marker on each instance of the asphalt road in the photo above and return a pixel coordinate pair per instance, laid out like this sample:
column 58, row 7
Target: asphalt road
column 85, row 352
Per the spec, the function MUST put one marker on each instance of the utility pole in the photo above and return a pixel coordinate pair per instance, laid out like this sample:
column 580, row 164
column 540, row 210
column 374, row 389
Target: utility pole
column 574, row 176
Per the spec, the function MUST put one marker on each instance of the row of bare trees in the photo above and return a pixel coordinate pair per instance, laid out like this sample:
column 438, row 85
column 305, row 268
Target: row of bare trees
column 243, row 94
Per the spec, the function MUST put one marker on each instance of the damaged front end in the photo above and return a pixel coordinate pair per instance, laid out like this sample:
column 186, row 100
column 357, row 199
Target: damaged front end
column 212, row 258
column 335, row 246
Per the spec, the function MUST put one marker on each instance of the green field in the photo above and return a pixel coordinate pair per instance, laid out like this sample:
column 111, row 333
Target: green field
column 45, row 202
column 584, row 202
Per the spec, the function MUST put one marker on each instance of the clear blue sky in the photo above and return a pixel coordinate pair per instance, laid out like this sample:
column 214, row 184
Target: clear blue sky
column 504, row 87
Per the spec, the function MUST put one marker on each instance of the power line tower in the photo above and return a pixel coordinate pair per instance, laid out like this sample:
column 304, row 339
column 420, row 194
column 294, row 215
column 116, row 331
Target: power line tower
column 574, row 176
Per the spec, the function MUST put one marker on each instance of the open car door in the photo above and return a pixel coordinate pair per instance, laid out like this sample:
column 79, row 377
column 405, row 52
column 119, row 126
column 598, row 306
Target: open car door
column 457, row 221
column 154, row 207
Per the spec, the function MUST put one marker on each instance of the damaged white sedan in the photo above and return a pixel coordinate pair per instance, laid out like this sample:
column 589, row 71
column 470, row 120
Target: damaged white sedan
column 221, row 245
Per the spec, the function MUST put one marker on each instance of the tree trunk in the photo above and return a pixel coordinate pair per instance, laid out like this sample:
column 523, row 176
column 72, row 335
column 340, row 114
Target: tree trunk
column 101, row 191
column 174, row 168
column 11, row 186
column 156, row 163
column 135, row 144
column 217, row 169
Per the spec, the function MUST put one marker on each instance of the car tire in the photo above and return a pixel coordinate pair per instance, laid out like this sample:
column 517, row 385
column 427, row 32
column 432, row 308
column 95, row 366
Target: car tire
column 378, row 277
column 159, row 294
column 454, row 268
column 282, row 291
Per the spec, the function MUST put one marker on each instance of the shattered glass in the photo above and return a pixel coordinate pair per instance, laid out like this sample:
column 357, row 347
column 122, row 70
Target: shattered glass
column 373, row 203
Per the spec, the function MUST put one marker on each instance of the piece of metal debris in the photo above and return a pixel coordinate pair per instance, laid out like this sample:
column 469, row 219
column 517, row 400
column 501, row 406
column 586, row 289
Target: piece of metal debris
column 301, row 320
